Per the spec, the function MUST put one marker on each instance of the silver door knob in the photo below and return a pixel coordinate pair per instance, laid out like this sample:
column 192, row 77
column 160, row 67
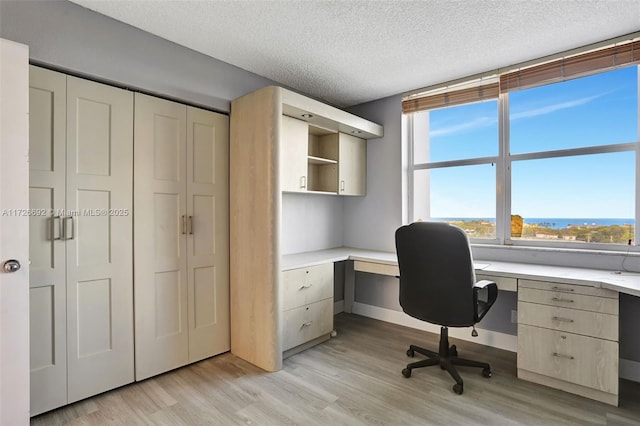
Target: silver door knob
column 11, row 266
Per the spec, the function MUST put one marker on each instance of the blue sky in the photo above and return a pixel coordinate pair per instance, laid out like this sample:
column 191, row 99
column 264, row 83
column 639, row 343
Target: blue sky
column 595, row 110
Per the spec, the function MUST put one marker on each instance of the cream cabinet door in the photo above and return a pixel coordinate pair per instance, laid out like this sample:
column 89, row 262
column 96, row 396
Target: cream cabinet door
column 160, row 249
column 352, row 165
column 97, row 233
column 208, row 233
column 47, row 283
column 293, row 155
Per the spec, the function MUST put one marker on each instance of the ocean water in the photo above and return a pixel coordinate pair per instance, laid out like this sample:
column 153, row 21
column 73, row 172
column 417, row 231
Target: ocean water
column 555, row 223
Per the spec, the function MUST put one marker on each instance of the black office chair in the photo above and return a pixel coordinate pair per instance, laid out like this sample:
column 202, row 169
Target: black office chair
column 437, row 285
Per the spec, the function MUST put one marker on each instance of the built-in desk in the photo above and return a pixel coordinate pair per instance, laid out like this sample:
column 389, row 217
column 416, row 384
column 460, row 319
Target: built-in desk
column 567, row 317
column 386, row 263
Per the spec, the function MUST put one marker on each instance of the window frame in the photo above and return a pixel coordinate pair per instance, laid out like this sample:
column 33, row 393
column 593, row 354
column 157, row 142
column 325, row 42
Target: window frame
column 503, row 163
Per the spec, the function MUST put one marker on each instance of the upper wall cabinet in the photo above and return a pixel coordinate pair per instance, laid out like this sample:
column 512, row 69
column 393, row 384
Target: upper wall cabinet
column 321, row 160
column 280, row 141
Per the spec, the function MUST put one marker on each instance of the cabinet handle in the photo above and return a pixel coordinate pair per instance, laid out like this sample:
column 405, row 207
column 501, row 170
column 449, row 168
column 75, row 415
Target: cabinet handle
column 303, row 182
column 562, row 319
column 556, row 354
column 184, row 225
column 52, row 228
column 306, row 324
column 559, row 299
column 64, row 228
column 190, row 224
column 561, row 289
column 305, row 286
column 341, row 186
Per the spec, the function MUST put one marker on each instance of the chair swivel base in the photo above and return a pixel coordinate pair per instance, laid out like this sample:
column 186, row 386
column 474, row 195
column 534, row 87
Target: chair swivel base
column 446, row 358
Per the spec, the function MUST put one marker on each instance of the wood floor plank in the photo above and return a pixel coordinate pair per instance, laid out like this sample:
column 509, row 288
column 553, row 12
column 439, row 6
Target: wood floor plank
column 353, row 379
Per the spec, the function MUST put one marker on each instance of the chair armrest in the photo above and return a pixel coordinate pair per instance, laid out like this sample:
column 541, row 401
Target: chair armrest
column 482, row 306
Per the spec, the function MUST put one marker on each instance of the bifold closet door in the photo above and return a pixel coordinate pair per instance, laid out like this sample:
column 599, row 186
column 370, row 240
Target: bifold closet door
column 80, row 201
column 161, row 324
column 181, row 241
column 99, row 237
column 208, row 239
column 47, row 276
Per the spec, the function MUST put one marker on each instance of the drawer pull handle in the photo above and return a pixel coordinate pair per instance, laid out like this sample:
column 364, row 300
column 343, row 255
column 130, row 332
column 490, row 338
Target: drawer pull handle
column 306, row 324
column 556, row 354
column 305, row 286
column 562, row 319
column 562, row 289
column 559, row 299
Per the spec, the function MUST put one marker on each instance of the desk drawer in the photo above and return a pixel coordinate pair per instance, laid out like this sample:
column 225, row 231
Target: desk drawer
column 376, row 268
column 306, row 285
column 306, row 323
column 503, row 283
column 568, row 288
column 585, row 361
column 594, row 324
column 568, row 300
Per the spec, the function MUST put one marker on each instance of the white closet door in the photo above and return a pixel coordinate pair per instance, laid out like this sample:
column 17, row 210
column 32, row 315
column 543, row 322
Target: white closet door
column 98, row 237
column 160, row 236
column 208, row 233
column 47, row 284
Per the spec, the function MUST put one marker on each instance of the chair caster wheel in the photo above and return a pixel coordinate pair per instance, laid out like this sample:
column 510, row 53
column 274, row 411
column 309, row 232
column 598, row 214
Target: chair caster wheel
column 457, row 388
column 453, row 351
column 410, row 353
column 486, row 372
column 406, row 372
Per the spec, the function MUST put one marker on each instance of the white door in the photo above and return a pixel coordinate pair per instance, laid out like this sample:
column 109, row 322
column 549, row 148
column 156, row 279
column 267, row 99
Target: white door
column 208, row 233
column 47, row 276
column 98, row 235
column 14, row 229
column 161, row 323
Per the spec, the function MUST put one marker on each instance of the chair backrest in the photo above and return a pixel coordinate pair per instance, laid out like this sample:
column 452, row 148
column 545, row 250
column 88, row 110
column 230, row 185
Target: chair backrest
column 436, row 273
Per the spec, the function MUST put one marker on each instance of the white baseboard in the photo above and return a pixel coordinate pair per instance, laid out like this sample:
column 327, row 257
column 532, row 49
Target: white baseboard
column 338, row 307
column 630, row 370
column 485, row 337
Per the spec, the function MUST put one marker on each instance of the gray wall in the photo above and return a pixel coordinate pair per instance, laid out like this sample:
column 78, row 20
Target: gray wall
column 68, row 37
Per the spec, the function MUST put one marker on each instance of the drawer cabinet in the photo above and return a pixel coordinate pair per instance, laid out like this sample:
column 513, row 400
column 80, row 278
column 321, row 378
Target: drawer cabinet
column 305, row 285
column 586, row 361
column 306, row 323
column 568, row 338
column 307, row 306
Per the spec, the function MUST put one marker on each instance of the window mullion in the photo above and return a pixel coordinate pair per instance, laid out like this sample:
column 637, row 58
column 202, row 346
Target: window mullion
column 503, row 173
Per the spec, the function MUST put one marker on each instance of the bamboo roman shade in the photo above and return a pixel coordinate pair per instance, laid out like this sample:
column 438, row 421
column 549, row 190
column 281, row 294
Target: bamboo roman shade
column 572, row 67
column 455, row 97
column 549, row 72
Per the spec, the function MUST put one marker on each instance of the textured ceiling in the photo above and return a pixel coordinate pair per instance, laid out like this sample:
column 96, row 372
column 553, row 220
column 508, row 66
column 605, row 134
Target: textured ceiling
column 349, row 52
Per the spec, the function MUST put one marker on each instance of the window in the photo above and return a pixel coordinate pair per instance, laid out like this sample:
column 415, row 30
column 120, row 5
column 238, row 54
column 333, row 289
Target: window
column 455, row 152
column 550, row 162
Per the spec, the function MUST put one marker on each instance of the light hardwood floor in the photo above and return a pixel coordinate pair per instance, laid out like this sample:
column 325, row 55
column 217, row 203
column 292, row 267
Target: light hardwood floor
column 353, row 379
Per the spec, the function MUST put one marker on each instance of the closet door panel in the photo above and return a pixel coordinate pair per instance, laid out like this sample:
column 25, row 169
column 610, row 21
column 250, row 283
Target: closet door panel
column 98, row 232
column 160, row 250
column 208, row 239
column 47, row 278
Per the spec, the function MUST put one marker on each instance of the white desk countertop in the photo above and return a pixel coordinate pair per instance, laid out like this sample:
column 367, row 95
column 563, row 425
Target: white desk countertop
column 623, row 282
